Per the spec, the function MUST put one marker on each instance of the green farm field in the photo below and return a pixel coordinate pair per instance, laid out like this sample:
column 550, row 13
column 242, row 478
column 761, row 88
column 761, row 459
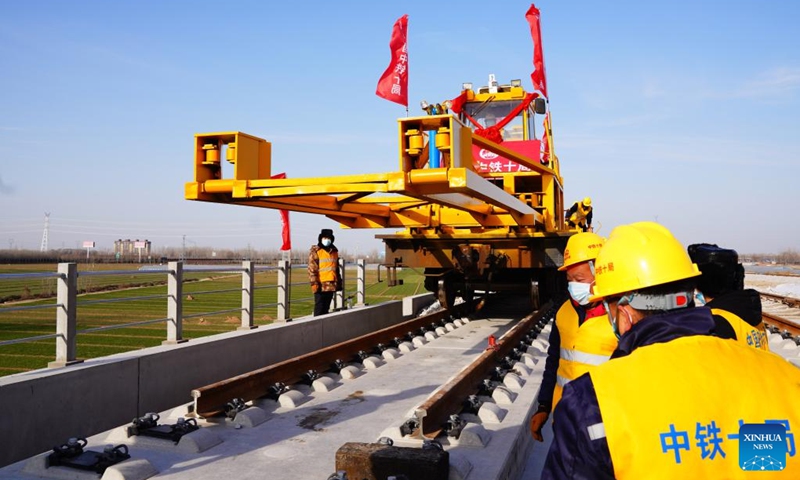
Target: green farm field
column 121, row 307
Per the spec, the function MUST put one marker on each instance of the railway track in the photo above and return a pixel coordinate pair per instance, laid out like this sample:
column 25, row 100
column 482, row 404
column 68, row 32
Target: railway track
column 231, row 395
column 781, row 314
column 275, row 380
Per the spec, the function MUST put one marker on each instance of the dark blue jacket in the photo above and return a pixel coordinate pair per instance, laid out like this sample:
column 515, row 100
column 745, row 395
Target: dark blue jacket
column 573, row 454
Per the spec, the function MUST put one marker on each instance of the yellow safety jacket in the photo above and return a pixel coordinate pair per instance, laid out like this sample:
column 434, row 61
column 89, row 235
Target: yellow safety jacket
column 745, row 333
column 582, row 346
column 580, row 214
column 670, row 410
column 328, row 262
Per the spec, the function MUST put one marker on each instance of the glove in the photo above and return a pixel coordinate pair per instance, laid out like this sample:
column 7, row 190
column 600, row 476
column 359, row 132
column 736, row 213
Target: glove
column 339, row 286
column 537, row 422
column 314, row 287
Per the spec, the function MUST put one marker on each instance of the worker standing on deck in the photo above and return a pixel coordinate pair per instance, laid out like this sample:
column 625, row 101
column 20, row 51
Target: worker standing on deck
column 672, row 400
column 323, row 271
column 579, row 215
column 581, row 337
column 737, row 312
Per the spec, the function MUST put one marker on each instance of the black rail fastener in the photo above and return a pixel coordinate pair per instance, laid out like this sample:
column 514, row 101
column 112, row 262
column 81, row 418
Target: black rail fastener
column 498, row 374
column 148, row 426
column 310, row 376
column 454, row 426
column 409, row 426
column 233, row 407
column 487, row 387
column 276, row 390
column 506, row 363
column 361, row 355
column 472, row 404
column 338, row 366
column 72, row 455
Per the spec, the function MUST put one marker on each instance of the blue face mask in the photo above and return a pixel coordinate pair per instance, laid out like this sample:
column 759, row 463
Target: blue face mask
column 612, row 320
column 579, row 292
column 326, row 242
column 699, row 298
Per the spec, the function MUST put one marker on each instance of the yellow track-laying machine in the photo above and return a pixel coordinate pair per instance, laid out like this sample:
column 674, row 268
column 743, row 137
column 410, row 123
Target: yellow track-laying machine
column 477, row 197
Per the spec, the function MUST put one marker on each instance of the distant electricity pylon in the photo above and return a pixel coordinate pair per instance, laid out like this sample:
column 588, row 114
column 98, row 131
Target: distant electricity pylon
column 43, row 248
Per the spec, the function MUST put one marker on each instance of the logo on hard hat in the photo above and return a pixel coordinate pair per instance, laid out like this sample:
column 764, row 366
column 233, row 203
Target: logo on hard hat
column 487, row 155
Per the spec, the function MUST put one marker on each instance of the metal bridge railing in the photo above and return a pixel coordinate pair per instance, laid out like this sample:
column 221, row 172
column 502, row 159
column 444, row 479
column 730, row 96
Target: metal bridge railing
column 66, row 318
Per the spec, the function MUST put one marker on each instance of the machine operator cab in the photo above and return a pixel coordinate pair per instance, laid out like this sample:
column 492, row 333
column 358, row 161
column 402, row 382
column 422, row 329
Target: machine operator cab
column 506, row 113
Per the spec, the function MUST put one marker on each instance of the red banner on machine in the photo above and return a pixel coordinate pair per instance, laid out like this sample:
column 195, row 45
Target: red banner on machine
column 393, row 85
column 538, row 76
column 489, row 162
column 286, row 234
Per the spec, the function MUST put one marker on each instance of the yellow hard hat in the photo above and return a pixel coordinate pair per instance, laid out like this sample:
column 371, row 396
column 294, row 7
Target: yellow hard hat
column 587, row 201
column 637, row 256
column 581, row 247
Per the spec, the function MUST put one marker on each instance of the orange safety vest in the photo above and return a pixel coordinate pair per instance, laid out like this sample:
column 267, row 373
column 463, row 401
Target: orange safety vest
column 673, row 410
column 582, row 346
column 745, row 333
column 328, row 263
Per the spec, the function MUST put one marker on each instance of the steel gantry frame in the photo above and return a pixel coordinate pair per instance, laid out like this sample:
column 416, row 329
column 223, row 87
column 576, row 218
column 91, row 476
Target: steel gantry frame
column 452, row 197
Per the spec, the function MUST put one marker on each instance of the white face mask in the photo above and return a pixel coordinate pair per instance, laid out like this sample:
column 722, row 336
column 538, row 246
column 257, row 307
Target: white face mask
column 579, row 292
column 326, row 242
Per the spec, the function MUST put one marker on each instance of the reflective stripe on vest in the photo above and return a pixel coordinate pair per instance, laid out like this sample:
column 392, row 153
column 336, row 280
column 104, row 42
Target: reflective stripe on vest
column 746, row 334
column 327, row 265
column 582, row 347
column 673, row 410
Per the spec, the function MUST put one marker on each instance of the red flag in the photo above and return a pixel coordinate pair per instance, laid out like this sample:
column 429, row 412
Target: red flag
column 457, row 103
column 286, row 234
column 538, row 76
column 393, row 85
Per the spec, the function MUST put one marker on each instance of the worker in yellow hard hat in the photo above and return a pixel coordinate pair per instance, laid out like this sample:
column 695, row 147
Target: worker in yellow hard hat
column 580, row 338
column 674, row 401
column 579, row 215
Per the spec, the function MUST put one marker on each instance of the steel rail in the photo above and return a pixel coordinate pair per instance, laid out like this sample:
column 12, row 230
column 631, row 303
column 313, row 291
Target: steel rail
column 782, row 324
column 792, row 302
column 432, row 415
column 211, row 399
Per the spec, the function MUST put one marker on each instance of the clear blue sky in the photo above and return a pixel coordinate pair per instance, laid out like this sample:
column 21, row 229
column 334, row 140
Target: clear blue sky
column 682, row 112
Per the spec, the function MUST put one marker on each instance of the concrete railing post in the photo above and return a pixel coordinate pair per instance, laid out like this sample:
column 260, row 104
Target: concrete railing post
column 284, row 290
column 361, row 283
column 248, row 294
column 66, row 316
column 175, row 303
column 338, row 298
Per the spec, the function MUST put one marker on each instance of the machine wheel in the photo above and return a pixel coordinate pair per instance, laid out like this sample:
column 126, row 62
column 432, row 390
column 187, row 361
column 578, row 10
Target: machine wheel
column 446, row 293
